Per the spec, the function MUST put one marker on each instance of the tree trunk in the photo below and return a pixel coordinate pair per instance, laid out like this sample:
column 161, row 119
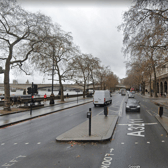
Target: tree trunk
column 7, row 85
column 143, row 88
column 155, row 83
column 150, row 86
column 84, row 89
column 101, row 84
column 62, row 92
column 61, row 86
column 93, row 86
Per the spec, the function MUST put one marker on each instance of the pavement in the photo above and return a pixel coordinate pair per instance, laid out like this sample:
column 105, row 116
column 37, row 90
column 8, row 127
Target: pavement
column 160, row 101
column 102, row 129
column 17, row 115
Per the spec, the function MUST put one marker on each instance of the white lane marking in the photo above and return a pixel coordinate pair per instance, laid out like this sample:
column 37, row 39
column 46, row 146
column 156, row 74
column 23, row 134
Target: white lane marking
column 112, row 110
column 149, row 112
column 15, row 143
column 143, row 123
column 122, row 143
column 148, row 142
column 99, row 113
column 39, row 143
column 136, row 143
column 26, row 143
column 3, row 144
column 111, row 150
column 163, row 141
column 12, row 162
column 107, row 159
column 135, row 126
column 121, row 107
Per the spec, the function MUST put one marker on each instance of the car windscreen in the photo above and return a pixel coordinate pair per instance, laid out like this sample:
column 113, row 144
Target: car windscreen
column 132, row 102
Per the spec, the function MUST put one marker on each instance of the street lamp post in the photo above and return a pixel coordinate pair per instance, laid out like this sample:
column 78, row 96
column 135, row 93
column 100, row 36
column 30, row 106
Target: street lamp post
column 52, row 94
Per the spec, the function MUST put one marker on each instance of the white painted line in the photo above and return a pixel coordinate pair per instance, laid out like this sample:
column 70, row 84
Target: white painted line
column 122, row 143
column 39, row 143
column 121, row 107
column 111, row 150
column 26, row 143
column 163, row 141
column 15, row 143
column 148, row 142
column 99, row 113
column 149, row 112
column 3, row 144
column 136, row 143
column 151, row 123
column 143, row 123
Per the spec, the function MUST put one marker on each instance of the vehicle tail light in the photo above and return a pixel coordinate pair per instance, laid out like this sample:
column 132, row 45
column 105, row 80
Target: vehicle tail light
column 104, row 99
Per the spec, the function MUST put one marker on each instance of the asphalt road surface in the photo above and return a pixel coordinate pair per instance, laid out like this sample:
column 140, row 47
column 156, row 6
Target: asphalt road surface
column 139, row 141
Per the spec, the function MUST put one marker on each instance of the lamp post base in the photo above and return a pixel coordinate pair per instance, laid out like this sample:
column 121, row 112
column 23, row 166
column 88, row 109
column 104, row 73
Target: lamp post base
column 52, row 99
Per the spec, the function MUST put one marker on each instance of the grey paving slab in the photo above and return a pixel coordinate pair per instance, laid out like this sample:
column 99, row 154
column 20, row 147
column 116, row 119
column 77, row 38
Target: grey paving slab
column 163, row 121
column 101, row 129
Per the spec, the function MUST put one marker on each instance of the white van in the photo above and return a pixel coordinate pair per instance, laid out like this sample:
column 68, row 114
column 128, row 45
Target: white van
column 102, row 97
column 123, row 92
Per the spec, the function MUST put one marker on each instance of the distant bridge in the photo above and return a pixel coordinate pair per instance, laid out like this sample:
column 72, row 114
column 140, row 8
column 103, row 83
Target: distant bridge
column 56, row 86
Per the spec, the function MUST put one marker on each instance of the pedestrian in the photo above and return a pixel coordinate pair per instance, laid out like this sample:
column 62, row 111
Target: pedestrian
column 45, row 97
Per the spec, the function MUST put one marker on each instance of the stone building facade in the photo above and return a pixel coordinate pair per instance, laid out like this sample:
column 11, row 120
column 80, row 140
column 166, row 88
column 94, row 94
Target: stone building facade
column 162, row 80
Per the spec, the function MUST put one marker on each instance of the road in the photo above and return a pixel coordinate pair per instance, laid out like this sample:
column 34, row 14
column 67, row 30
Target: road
column 138, row 141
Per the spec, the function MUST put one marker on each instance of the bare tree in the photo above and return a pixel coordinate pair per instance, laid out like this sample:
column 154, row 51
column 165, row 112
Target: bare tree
column 80, row 70
column 111, row 80
column 55, row 53
column 101, row 75
column 145, row 32
column 93, row 65
column 20, row 32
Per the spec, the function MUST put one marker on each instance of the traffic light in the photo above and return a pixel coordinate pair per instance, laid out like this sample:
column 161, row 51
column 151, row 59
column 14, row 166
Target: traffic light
column 29, row 90
column 35, row 88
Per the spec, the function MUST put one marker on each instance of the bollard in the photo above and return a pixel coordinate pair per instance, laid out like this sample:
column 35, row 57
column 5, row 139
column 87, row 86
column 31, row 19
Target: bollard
column 31, row 108
column 160, row 111
column 89, row 115
column 105, row 111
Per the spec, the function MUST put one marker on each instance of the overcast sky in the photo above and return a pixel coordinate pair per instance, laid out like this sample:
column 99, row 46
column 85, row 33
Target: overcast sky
column 93, row 25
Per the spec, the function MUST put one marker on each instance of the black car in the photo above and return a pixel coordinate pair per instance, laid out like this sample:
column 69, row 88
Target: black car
column 132, row 105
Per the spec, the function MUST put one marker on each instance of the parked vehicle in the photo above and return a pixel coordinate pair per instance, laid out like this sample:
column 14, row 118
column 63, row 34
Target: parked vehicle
column 133, row 92
column 123, row 92
column 130, row 95
column 102, row 97
column 132, row 105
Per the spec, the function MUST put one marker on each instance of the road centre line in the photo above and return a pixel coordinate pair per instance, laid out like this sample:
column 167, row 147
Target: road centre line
column 143, row 123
